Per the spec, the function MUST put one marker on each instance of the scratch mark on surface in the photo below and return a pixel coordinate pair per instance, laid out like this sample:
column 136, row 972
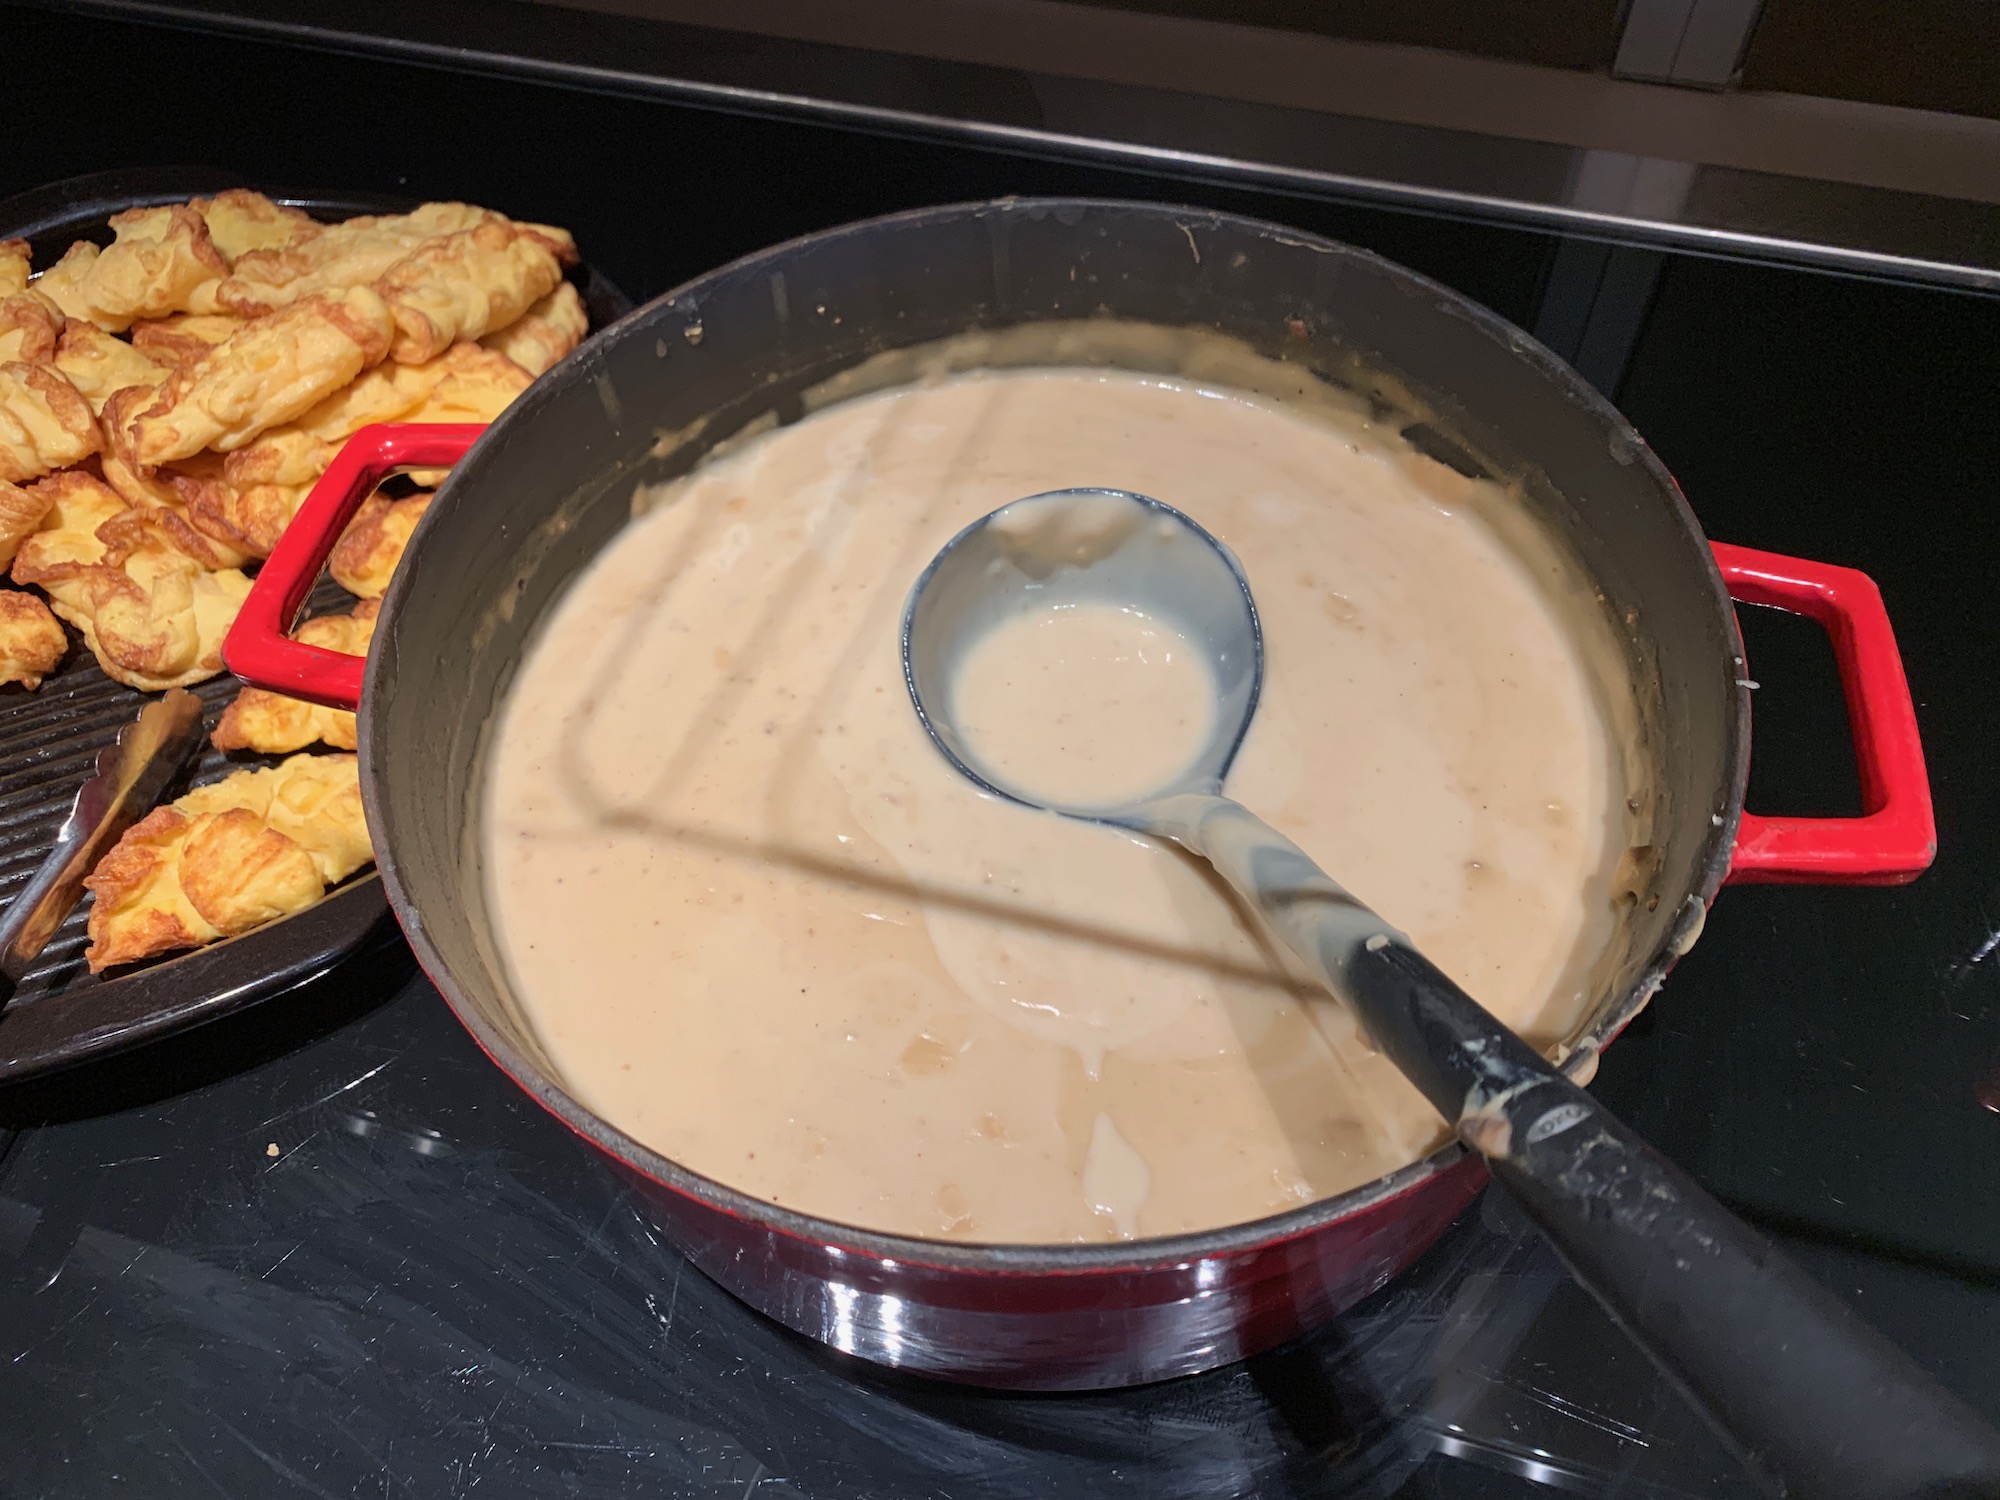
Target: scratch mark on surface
column 174, row 1438
column 61, row 1327
column 673, row 1301
column 352, row 1083
column 293, row 1152
column 278, row 1468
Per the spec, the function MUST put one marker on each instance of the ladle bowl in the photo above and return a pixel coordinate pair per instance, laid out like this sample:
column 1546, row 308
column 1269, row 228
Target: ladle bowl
column 1080, row 547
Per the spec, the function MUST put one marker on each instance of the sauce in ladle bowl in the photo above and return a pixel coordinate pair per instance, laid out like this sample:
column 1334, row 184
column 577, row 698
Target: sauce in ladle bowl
column 1085, row 650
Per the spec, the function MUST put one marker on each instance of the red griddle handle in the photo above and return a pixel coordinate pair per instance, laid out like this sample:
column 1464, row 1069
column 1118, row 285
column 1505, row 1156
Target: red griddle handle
column 259, row 647
column 1895, row 838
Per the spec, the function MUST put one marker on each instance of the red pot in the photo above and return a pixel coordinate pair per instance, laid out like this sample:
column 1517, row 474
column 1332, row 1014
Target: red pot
column 534, row 497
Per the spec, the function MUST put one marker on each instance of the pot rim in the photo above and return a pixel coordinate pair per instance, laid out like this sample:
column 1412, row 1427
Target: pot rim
column 1172, row 1252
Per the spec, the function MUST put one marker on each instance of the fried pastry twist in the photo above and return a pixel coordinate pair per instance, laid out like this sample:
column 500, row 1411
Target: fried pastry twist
column 365, row 557
column 100, row 365
column 272, row 724
column 241, row 221
column 191, row 500
column 31, row 642
column 227, row 858
column 21, row 512
column 163, row 261
column 14, row 267
column 184, row 337
column 339, row 256
column 230, row 524
column 464, row 286
column 544, row 333
column 274, row 474
column 45, row 423
column 298, row 452
column 269, row 371
column 30, row 324
column 478, row 385
column 154, row 617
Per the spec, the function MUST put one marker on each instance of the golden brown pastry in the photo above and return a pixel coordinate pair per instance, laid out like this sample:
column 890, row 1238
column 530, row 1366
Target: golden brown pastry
column 45, row 424
column 313, row 800
column 31, row 642
column 163, row 261
column 273, row 724
column 464, row 286
column 269, row 371
column 561, row 243
column 14, row 267
column 544, row 333
column 153, row 616
column 240, row 221
column 366, row 555
column 299, row 452
column 338, row 257
column 478, row 386
column 100, row 364
column 259, row 513
column 73, row 505
column 464, row 384
column 30, row 324
column 226, row 858
column 184, row 337
column 233, row 523
column 190, row 499
column 21, row 512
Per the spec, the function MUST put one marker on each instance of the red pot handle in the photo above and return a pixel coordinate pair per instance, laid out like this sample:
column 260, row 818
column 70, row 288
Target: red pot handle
column 1895, row 839
column 259, row 647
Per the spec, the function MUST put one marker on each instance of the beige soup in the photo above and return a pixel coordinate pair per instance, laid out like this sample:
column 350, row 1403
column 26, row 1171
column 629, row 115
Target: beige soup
column 759, row 923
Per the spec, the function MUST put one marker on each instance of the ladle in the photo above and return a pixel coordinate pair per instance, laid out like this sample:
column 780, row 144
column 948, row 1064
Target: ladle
column 1818, row 1401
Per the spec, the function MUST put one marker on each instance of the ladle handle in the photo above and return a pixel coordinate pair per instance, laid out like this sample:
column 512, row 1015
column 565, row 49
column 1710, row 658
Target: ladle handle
column 1819, row 1402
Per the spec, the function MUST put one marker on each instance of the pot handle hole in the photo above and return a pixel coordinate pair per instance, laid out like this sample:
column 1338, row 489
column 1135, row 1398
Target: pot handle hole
column 259, row 648
column 1895, row 838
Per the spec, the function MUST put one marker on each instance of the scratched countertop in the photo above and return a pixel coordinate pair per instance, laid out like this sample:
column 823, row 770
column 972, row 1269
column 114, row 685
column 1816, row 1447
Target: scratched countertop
column 329, row 1250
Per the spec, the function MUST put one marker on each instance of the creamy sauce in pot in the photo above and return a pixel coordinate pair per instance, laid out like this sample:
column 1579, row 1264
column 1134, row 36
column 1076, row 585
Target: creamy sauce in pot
column 760, row 923
column 1087, row 705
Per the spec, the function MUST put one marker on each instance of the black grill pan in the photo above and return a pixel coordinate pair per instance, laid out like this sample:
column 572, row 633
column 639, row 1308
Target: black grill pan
column 62, row 1014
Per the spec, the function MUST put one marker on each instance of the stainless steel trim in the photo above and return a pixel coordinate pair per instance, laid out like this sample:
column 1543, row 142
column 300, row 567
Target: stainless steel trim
column 1623, row 196
column 1718, row 34
column 1696, row 43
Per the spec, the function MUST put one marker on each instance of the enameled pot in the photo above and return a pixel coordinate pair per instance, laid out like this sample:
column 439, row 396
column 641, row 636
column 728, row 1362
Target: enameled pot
column 535, row 496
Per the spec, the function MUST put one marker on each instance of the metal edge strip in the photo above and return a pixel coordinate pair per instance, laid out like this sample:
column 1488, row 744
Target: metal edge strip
column 1516, row 210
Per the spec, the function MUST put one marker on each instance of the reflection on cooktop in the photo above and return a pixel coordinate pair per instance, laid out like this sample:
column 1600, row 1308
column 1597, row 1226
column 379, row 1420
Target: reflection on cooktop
column 366, row 1262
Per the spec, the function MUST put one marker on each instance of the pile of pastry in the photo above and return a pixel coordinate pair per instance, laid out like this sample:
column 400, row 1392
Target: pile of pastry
column 166, row 404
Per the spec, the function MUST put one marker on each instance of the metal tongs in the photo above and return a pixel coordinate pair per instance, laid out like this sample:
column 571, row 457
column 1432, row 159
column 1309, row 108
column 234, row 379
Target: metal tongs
column 132, row 772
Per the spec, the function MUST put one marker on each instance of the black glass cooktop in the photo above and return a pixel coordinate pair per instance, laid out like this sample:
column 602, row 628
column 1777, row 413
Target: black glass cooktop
column 325, row 1249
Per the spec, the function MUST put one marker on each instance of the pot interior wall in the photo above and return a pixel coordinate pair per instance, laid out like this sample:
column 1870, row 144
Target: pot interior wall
column 553, row 481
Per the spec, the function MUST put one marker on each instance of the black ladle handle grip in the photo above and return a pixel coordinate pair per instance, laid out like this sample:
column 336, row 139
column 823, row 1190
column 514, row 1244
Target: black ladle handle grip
column 1818, row 1401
